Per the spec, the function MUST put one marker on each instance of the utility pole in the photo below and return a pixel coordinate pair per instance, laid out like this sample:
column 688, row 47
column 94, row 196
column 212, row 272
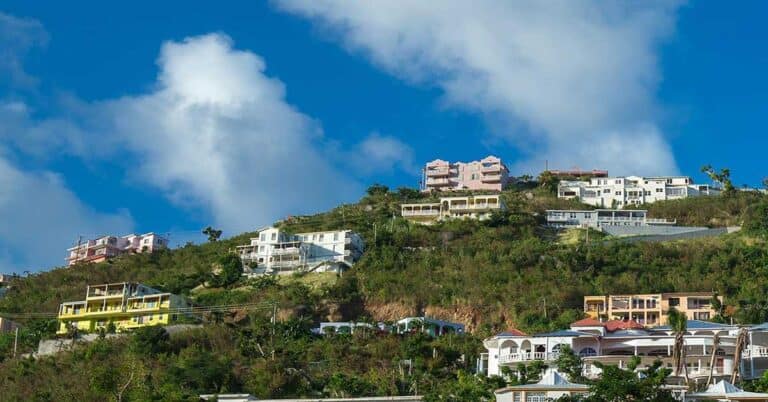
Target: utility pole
column 274, row 323
column 545, row 306
column 16, row 342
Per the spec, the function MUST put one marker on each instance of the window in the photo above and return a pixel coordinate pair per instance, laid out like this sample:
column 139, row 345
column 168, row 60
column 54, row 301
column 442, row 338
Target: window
column 618, row 193
column 573, row 215
column 674, row 301
column 335, row 237
column 150, row 317
column 536, row 397
column 587, row 352
column 274, row 236
column 320, row 238
column 263, row 237
column 261, row 249
column 659, row 190
column 618, row 181
column 588, row 215
column 516, row 396
column 607, row 190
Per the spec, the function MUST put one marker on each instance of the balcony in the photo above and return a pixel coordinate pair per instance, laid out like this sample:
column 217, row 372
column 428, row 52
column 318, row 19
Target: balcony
column 496, row 178
column 755, row 351
column 431, row 212
column 438, row 182
column 491, row 169
column 527, row 356
column 443, row 172
column 473, row 207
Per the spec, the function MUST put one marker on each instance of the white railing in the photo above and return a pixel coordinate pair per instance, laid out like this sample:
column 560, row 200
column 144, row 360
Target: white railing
column 420, row 213
column 755, row 351
column 526, row 356
column 657, row 220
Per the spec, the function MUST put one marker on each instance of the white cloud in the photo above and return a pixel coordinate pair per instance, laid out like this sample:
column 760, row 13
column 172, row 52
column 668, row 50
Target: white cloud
column 378, row 154
column 17, row 37
column 41, row 218
column 557, row 78
column 217, row 134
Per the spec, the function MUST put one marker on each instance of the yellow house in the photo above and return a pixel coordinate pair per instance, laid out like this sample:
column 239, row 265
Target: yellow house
column 651, row 309
column 128, row 305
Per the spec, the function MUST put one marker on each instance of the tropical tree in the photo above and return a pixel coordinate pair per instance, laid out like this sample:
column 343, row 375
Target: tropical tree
column 213, row 234
column 741, row 342
column 678, row 322
column 715, row 345
column 570, row 364
column 723, row 177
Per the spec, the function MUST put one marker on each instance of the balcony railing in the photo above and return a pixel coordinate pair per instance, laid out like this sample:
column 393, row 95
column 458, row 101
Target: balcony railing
column 421, row 213
column 755, row 351
column 491, row 178
column 491, row 169
column 438, row 172
column 476, row 206
column 527, row 356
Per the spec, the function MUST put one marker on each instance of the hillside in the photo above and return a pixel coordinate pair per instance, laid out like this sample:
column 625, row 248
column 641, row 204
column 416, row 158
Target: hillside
column 488, row 275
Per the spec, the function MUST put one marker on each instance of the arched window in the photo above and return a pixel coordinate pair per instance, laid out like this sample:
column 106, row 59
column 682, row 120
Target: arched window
column 587, row 352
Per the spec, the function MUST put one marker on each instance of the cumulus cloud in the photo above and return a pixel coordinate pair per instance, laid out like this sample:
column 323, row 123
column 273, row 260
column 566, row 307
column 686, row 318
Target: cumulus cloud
column 569, row 81
column 217, row 134
column 17, row 37
column 382, row 154
column 41, row 218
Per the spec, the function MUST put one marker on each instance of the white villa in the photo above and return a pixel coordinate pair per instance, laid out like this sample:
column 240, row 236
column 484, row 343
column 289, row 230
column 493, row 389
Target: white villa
column 618, row 192
column 430, row 326
column 277, row 252
column 467, row 207
column 616, row 342
column 617, row 222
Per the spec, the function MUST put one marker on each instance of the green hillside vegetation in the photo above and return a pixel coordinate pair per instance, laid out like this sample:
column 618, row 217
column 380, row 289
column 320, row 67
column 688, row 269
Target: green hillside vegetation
column 489, row 275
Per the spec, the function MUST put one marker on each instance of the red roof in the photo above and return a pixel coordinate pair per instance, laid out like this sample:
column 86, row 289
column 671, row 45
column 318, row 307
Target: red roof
column 614, row 325
column 587, row 322
column 514, row 332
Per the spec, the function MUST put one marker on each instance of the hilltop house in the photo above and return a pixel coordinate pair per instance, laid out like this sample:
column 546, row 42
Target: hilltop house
column 467, row 207
column 619, row 192
column 98, row 250
column 651, row 309
column 616, row 222
column 617, row 342
column 275, row 251
column 489, row 173
column 127, row 305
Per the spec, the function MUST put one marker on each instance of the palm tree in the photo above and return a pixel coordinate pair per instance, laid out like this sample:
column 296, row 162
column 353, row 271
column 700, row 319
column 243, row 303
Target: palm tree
column 741, row 342
column 678, row 322
column 715, row 345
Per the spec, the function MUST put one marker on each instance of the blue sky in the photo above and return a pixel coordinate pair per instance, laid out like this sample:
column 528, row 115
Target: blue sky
column 172, row 116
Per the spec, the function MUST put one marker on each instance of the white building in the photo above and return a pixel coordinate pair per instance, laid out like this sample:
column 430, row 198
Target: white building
column 617, row 222
column 617, row 342
column 430, row 326
column 467, row 207
column 552, row 386
column 618, row 192
column 98, row 250
column 275, row 251
column 599, row 218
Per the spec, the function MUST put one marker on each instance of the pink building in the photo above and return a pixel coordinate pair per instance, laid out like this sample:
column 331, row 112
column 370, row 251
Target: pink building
column 490, row 173
column 105, row 247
